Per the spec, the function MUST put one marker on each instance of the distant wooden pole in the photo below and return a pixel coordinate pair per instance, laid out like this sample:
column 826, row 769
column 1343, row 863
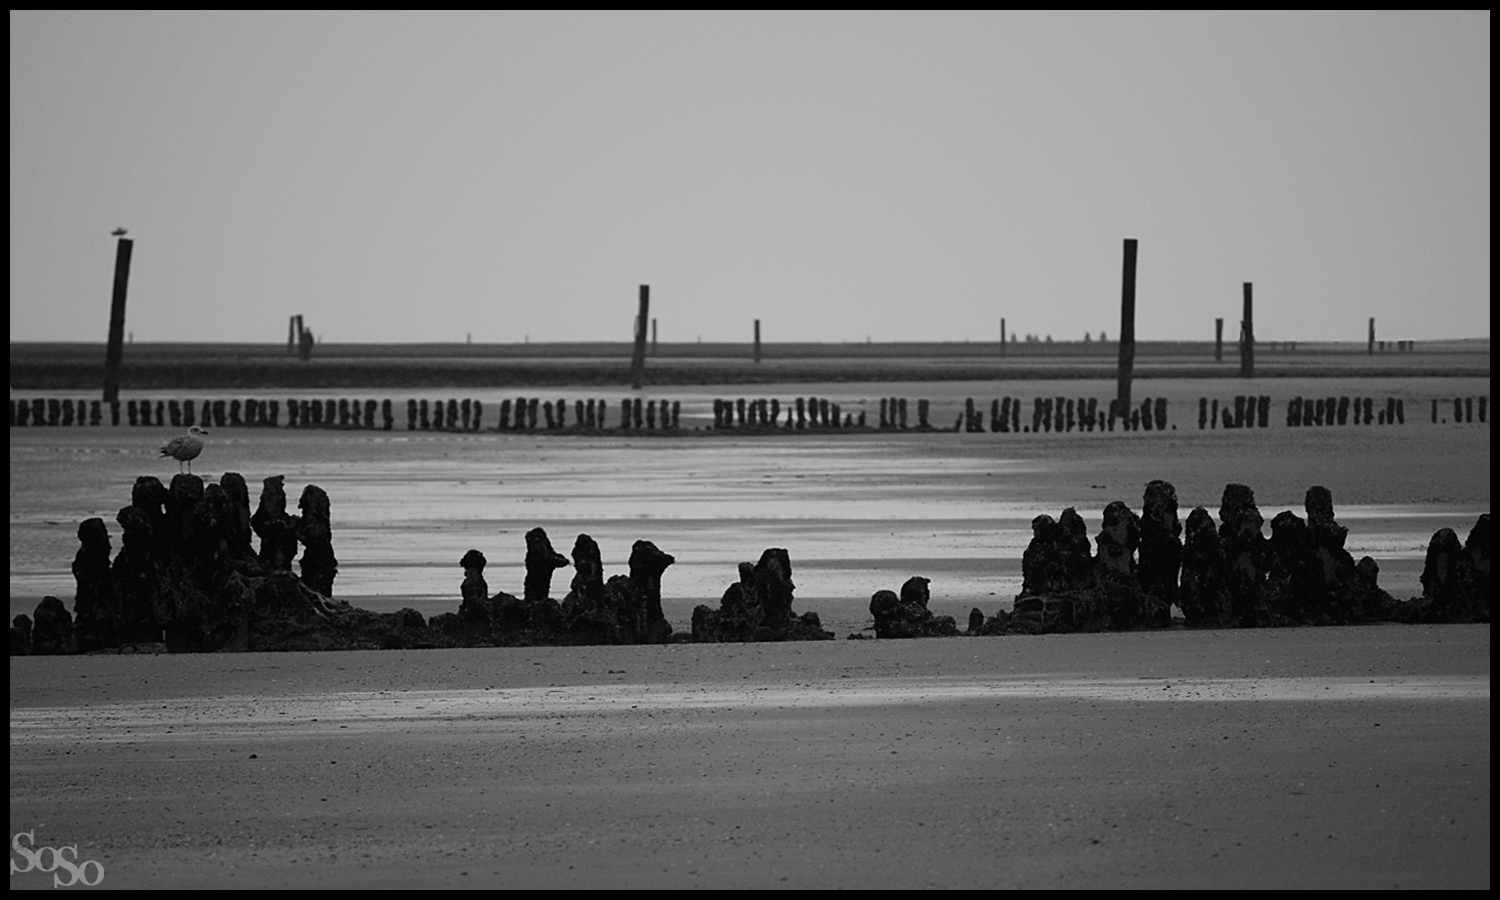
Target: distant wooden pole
column 1247, row 337
column 291, row 334
column 757, row 340
column 1002, row 335
column 1371, row 349
column 114, row 353
column 1127, row 326
column 653, row 337
column 638, row 360
column 1218, row 339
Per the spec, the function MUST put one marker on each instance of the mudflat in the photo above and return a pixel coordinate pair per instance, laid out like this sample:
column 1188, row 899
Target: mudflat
column 1337, row 757
column 858, row 512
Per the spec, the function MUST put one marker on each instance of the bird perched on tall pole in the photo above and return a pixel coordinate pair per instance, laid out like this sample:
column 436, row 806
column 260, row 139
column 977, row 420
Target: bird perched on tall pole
column 185, row 448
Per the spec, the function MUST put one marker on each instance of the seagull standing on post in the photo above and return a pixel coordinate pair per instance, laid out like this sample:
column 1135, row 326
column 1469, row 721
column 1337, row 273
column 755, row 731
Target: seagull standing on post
column 185, row 448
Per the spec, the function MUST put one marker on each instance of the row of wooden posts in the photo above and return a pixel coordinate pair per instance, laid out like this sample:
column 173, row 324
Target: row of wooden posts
column 1314, row 411
column 1005, row 415
column 1047, row 414
column 522, row 414
column 527, row 414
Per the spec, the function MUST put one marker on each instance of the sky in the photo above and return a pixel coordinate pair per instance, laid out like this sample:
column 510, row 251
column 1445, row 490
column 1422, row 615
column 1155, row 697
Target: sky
column 398, row 177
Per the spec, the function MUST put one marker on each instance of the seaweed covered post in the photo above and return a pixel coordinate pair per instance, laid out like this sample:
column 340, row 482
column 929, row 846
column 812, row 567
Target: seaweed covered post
column 278, row 539
column 1245, row 551
column 96, row 606
column 314, row 529
column 541, row 562
column 907, row 615
column 647, row 563
column 1160, row 550
column 475, row 591
column 758, row 607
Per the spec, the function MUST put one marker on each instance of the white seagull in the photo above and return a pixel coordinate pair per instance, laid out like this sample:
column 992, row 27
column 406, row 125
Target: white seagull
column 185, row 448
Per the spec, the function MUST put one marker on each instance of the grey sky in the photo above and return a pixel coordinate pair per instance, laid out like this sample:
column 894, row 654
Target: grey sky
column 415, row 177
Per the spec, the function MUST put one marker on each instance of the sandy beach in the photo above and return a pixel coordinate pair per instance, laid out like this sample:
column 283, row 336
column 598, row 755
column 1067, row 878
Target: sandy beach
column 1338, row 758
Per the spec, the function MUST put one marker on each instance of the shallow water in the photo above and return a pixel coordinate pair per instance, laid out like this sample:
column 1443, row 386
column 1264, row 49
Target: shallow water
column 857, row 512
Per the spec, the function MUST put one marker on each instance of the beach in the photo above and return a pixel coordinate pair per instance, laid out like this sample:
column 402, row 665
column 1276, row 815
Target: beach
column 1335, row 758
column 1327, row 757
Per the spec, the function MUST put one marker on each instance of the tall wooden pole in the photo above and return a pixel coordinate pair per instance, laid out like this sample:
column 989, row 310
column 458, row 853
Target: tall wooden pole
column 1002, row 335
column 1218, row 339
column 638, row 359
column 757, row 340
column 1127, row 327
column 1371, row 349
column 115, row 351
column 1247, row 337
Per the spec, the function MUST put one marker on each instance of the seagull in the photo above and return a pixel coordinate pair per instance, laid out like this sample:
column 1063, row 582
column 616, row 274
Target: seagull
column 185, row 448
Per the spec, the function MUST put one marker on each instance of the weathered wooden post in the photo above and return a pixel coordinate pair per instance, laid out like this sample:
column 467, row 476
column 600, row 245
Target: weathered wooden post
column 653, row 337
column 638, row 360
column 291, row 334
column 1370, row 350
column 1218, row 340
column 1247, row 337
column 1127, row 325
column 115, row 352
column 757, row 340
column 1002, row 335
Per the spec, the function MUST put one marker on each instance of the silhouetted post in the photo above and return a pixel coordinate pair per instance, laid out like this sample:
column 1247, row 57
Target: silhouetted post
column 1247, row 338
column 1371, row 349
column 1002, row 335
column 1127, row 325
column 638, row 360
column 291, row 334
column 653, row 337
column 757, row 340
column 1218, row 339
column 115, row 352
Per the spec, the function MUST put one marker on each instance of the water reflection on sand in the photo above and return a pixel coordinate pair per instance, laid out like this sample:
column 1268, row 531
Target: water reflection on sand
column 858, row 513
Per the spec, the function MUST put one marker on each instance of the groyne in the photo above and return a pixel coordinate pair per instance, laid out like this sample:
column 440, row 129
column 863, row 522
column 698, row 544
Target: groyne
column 530, row 414
column 188, row 578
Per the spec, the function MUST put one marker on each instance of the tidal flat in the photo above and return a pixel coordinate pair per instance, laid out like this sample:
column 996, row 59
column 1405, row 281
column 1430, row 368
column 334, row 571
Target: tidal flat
column 1316, row 757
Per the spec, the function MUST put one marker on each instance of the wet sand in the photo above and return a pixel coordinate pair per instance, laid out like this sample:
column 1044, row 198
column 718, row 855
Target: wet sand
column 857, row 512
column 1339, row 757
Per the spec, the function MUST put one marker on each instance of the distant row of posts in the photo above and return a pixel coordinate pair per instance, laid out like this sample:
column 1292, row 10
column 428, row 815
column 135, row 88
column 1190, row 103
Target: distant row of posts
column 300, row 339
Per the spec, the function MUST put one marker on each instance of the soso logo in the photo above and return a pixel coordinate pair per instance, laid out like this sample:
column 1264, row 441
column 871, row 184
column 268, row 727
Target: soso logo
column 54, row 860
